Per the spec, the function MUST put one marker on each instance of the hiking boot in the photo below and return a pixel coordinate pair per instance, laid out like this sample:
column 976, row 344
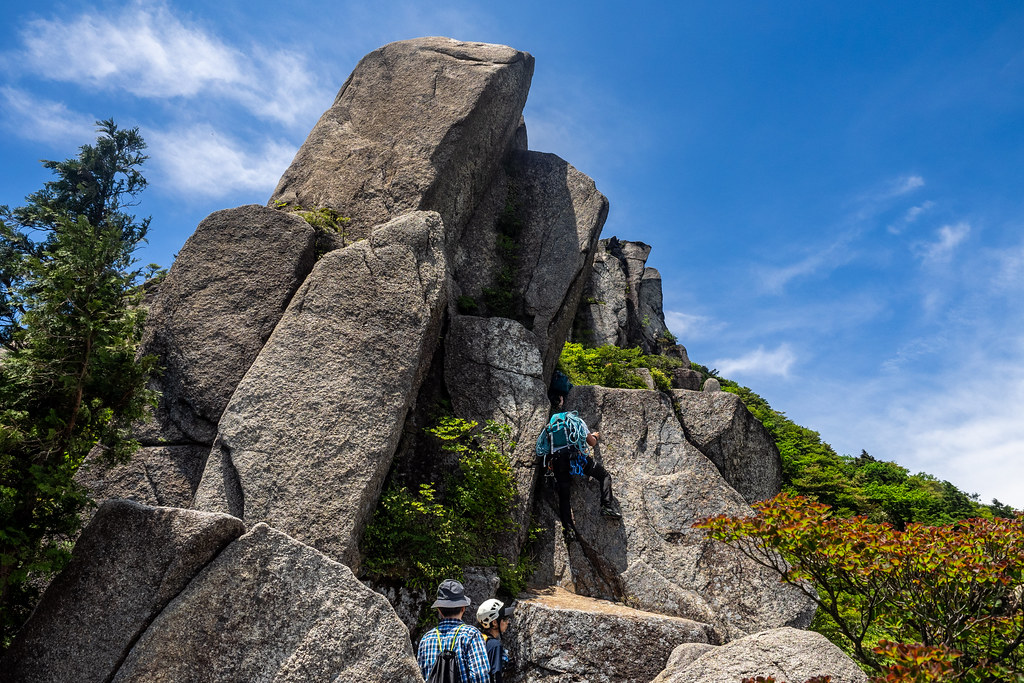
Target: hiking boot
column 610, row 512
column 569, row 535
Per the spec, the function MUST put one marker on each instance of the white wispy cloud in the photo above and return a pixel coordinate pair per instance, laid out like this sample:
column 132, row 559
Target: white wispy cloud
column 905, row 185
column 686, row 326
column 826, row 258
column 147, row 51
column 939, row 251
column 43, row 120
column 911, row 216
column 203, row 161
column 758, row 362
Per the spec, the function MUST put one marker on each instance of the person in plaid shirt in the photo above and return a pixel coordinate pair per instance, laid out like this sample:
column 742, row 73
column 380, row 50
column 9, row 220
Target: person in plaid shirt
column 452, row 633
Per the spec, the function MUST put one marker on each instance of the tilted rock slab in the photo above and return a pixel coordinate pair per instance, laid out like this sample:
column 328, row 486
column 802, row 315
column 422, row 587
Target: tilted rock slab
column 128, row 564
column 563, row 637
column 309, row 435
column 560, row 214
column 722, row 428
column 652, row 557
column 272, row 609
column 420, row 124
column 227, row 289
column 788, row 654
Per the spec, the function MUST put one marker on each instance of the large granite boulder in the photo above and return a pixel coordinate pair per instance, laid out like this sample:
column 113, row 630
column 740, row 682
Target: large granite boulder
column 227, row 289
column 269, row 608
column 559, row 636
column 722, row 428
column 552, row 216
column 128, row 564
column 787, row 654
column 308, row 437
column 652, row 556
column 622, row 301
column 420, row 124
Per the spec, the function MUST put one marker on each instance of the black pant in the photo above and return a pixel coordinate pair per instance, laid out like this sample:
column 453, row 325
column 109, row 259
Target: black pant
column 563, row 483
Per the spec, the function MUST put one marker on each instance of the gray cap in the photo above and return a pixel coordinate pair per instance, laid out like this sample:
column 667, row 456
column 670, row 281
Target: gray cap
column 451, row 594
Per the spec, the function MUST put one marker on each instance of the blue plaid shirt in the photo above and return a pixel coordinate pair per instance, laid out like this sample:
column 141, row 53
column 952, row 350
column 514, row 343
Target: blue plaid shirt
column 469, row 649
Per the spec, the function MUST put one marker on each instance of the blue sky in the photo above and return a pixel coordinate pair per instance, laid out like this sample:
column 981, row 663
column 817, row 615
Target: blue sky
column 834, row 191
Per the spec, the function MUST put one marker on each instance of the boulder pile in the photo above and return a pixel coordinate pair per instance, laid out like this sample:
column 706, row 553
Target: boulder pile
column 301, row 365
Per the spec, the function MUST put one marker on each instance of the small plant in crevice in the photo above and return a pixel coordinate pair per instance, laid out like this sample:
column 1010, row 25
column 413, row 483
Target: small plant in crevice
column 325, row 220
column 420, row 536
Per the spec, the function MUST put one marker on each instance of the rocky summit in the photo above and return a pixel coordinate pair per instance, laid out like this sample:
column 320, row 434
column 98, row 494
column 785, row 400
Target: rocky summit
column 302, row 362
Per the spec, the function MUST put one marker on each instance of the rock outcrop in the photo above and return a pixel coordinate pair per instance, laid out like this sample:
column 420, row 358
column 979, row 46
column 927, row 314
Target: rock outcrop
column 563, row 637
column 310, row 433
column 419, row 125
column 653, row 557
column 272, row 609
column 622, row 303
column 722, row 428
column 787, row 654
column 129, row 563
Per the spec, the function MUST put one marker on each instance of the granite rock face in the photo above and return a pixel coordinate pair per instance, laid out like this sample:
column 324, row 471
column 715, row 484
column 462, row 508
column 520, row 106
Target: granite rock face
column 225, row 293
column 165, row 476
column 420, row 124
column 310, row 433
column 722, row 428
column 788, row 654
column 563, row 637
column 622, row 301
column 128, row 564
column 272, row 609
column 652, row 556
column 554, row 215
column 494, row 371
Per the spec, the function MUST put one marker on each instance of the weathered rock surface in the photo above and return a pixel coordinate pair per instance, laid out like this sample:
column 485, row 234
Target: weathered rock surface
column 272, row 609
column 420, row 124
column 652, row 556
column 563, row 637
column 165, row 476
column 685, row 378
column 682, row 657
column 227, row 289
column 494, row 371
column 622, row 302
column 557, row 214
column 788, row 654
column 711, row 384
column 129, row 563
column 722, row 428
column 310, row 433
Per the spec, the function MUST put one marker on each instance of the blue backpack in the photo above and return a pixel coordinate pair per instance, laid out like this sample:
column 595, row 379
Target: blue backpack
column 562, row 431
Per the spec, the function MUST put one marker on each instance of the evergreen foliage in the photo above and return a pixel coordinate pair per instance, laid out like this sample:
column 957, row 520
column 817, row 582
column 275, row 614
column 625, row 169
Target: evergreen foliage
column 70, row 325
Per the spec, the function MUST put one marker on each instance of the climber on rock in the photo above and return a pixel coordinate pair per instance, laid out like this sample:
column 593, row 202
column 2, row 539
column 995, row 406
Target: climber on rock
column 564, row 448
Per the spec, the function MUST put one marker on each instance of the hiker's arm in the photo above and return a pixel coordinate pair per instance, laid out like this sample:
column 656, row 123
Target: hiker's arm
column 592, row 438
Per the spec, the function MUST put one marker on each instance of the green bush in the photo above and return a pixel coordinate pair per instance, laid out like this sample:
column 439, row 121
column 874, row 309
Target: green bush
column 420, row 537
column 611, row 366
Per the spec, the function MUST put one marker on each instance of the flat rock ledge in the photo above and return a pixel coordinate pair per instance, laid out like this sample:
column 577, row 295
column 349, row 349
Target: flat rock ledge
column 560, row 636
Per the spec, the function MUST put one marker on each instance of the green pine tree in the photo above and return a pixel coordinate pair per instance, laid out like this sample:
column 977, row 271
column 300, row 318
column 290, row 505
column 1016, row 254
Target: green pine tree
column 70, row 326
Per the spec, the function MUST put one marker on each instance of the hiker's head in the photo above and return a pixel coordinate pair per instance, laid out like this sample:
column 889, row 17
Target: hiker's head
column 494, row 615
column 451, row 599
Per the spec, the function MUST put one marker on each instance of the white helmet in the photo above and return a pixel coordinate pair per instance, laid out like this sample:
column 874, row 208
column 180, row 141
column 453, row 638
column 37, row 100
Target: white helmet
column 489, row 612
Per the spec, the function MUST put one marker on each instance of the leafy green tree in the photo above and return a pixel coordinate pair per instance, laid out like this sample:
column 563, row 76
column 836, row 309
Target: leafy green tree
column 70, row 326
column 926, row 604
